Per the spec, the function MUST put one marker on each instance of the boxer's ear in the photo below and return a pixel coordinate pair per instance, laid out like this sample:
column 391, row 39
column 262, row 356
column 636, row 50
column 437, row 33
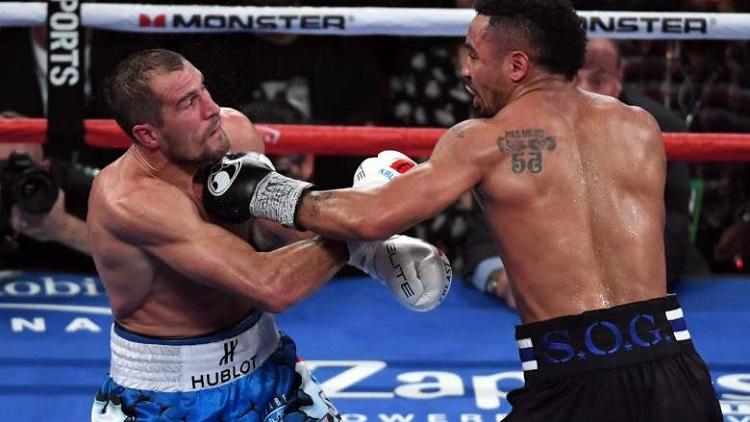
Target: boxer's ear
column 518, row 64
column 146, row 135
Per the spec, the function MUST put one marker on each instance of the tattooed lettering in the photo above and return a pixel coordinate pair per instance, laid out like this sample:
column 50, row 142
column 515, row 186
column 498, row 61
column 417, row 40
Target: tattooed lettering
column 525, row 147
column 315, row 199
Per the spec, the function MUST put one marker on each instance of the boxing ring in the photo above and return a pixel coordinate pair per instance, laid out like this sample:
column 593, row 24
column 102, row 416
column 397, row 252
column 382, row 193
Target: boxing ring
column 377, row 360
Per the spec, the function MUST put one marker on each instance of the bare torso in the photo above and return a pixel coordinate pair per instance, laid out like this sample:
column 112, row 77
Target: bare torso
column 580, row 225
column 147, row 296
column 572, row 186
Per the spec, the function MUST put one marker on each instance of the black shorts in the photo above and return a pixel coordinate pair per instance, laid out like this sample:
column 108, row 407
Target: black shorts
column 632, row 362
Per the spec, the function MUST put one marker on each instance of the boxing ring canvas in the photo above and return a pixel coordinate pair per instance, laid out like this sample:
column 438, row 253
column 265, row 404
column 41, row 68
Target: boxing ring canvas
column 378, row 361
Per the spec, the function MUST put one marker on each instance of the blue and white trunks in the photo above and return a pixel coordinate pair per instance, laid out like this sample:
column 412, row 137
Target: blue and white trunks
column 249, row 372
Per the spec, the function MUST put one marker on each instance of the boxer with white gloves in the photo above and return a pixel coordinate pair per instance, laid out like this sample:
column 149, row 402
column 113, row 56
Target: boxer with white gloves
column 244, row 185
column 435, row 284
column 382, row 169
column 418, row 274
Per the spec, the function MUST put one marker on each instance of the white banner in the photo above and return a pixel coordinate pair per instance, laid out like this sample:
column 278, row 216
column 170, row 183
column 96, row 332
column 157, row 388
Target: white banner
column 23, row 14
column 369, row 21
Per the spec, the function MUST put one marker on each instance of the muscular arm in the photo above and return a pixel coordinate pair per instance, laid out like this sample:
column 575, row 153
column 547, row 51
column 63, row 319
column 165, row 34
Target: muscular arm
column 376, row 213
column 267, row 235
column 178, row 236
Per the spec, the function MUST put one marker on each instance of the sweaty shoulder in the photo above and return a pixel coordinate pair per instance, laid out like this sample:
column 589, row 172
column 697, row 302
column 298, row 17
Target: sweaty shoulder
column 644, row 123
column 632, row 136
column 242, row 133
column 631, row 117
column 466, row 140
column 138, row 210
column 602, row 113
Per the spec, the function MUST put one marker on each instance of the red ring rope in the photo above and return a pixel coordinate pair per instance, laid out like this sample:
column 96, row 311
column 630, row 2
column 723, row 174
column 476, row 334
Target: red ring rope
column 368, row 140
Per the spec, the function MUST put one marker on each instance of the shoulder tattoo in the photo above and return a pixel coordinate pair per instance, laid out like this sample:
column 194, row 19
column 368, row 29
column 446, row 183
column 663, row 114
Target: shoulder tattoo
column 525, row 147
column 460, row 129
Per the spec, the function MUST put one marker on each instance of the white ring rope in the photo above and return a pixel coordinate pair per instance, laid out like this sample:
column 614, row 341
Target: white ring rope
column 367, row 20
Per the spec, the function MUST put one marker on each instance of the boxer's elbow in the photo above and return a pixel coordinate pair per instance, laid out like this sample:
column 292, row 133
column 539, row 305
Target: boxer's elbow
column 275, row 300
column 276, row 305
column 279, row 292
column 270, row 290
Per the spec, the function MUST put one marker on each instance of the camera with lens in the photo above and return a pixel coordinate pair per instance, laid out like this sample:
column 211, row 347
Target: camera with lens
column 25, row 184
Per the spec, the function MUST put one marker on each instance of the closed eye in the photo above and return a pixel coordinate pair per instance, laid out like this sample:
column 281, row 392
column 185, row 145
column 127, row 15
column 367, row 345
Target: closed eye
column 189, row 99
column 470, row 52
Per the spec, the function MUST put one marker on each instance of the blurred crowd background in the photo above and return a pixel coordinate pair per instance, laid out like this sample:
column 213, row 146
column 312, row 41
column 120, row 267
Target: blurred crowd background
column 695, row 86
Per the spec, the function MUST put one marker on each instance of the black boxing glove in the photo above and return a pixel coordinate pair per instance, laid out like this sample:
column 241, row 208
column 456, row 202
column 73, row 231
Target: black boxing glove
column 246, row 185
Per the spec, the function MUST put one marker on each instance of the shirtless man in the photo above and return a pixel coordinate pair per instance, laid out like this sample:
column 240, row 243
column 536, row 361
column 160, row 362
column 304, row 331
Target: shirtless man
column 571, row 184
column 193, row 338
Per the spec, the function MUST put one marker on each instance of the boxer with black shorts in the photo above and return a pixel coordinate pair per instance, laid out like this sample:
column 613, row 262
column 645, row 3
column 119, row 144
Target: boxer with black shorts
column 571, row 184
column 194, row 337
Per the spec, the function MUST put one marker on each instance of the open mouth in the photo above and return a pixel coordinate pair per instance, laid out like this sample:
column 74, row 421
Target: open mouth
column 475, row 98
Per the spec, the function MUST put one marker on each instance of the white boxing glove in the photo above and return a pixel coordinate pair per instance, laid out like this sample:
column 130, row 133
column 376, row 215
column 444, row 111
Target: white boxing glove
column 382, row 169
column 418, row 273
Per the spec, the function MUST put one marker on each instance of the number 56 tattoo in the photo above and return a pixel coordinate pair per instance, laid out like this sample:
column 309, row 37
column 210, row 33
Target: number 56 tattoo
column 525, row 147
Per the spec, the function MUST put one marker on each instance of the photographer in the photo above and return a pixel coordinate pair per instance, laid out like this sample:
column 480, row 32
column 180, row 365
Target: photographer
column 42, row 212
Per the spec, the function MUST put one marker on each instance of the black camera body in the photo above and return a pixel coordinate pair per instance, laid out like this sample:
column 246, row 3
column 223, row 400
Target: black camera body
column 24, row 184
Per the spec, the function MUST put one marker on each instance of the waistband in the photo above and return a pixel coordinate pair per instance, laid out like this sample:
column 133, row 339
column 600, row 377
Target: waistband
column 192, row 364
column 602, row 339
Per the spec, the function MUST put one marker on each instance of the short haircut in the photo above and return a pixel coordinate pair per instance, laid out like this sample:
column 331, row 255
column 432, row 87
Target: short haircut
column 131, row 98
column 551, row 28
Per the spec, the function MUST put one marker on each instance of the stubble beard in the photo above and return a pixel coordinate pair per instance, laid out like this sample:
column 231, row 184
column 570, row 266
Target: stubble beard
column 481, row 112
column 206, row 156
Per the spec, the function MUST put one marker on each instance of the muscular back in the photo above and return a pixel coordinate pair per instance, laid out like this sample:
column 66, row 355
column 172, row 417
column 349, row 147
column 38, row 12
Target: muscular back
column 572, row 186
column 574, row 200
